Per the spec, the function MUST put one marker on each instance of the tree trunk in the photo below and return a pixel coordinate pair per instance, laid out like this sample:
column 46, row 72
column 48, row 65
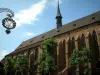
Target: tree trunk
column 21, row 71
column 49, row 73
column 16, row 72
column 77, row 70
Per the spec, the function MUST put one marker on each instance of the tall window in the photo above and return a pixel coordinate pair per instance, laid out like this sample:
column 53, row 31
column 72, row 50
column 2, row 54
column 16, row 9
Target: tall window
column 64, row 49
column 36, row 54
column 83, row 43
column 73, row 44
column 72, row 70
column 61, row 56
column 95, row 49
column 55, row 56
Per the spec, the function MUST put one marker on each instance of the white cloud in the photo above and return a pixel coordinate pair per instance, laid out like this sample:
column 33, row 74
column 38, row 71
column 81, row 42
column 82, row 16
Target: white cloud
column 27, row 16
column 28, row 34
column 3, row 53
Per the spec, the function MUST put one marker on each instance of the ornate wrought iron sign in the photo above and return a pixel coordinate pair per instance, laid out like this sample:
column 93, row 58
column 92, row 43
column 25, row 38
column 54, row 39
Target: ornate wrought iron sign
column 8, row 22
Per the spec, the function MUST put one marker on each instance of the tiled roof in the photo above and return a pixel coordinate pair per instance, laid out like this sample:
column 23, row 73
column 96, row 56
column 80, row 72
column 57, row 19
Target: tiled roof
column 65, row 28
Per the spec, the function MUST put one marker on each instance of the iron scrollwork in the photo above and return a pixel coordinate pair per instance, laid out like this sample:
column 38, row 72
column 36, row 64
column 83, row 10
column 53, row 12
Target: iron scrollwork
column 8, row 22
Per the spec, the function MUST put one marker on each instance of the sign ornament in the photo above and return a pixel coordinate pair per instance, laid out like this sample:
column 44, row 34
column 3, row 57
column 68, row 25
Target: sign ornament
column 8, row 22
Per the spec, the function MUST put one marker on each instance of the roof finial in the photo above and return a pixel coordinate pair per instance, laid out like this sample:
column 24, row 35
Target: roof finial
column 58, row 1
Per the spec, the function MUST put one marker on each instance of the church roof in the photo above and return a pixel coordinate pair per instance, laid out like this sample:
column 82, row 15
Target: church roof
column 65, row 28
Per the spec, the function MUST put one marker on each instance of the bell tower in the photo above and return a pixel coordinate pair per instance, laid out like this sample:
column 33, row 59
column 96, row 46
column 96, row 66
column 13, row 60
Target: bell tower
column 58, row 18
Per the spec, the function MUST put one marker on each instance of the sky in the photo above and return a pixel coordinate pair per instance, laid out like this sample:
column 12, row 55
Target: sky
column 34, row 17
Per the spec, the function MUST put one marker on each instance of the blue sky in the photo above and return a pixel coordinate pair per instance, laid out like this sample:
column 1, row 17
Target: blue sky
column 35, row 17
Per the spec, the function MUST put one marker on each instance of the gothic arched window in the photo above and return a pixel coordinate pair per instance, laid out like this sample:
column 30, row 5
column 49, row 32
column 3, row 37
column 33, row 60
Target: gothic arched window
column 36, row 53
column 83, row 43
column 64, row 49
column 73, row 44
column 61, row 56
column 95, row 49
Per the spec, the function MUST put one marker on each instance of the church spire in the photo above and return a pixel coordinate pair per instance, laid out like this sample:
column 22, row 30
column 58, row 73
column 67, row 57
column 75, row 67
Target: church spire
column 58, row 17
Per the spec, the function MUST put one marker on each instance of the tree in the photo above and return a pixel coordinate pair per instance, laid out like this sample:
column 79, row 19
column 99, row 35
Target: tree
column 82, row 57
column 2, row 72
column 21, row 64
column 9, row 66
column 46, row 62
column 16, row 65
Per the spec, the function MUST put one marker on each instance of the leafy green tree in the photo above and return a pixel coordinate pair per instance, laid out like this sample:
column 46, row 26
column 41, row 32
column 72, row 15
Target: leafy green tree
column 2, row 72
column 46, row 62
column 21, row 64
column 83, row 57
column 9, row 66
column 18, row 64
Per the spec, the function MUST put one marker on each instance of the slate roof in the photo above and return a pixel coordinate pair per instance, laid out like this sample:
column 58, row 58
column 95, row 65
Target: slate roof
column 65, row 28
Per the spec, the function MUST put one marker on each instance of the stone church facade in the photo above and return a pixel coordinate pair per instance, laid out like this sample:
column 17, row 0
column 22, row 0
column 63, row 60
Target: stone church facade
column 84, row 32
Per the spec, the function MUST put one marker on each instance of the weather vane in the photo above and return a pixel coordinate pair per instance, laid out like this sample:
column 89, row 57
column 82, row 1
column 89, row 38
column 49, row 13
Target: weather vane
column 8, row 22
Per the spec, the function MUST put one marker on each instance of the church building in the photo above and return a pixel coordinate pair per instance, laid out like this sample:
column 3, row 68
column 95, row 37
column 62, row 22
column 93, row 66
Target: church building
column 84, row 32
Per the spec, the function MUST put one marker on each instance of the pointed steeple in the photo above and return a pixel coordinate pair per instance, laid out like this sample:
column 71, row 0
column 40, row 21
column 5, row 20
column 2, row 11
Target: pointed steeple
column 58, row 17
column 58, row 11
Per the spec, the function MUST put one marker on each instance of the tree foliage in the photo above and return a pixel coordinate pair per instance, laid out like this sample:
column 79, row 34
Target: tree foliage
column 15, row 64
column 2, row 72
column 46, row 62
column 21, row 62
column 9, row 65
column 83, row 57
